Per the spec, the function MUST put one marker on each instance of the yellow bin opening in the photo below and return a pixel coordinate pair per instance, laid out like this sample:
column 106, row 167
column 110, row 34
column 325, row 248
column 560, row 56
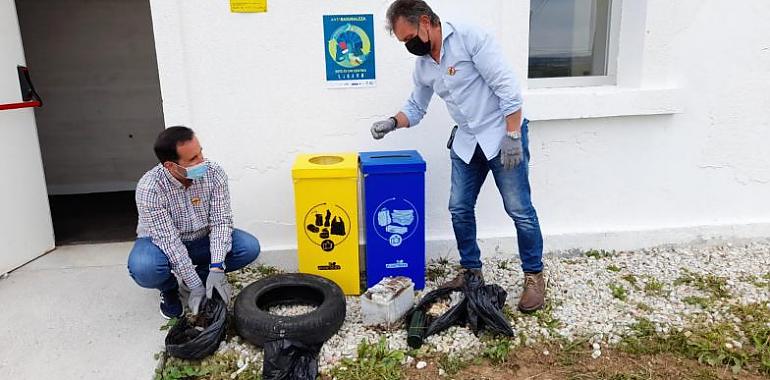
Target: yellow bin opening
column 326, row 204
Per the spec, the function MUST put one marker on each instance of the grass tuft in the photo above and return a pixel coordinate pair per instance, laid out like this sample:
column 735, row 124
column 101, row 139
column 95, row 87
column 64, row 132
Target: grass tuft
column 653, row 287
column 497, row 350
column 375, row 361
column 619, row 292
column 598, row 253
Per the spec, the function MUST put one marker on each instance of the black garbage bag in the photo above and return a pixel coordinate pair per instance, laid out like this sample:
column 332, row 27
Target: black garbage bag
column 287, row 359
column 456, row 315
column 196, row 337
column 485, row 306
column 481, row 308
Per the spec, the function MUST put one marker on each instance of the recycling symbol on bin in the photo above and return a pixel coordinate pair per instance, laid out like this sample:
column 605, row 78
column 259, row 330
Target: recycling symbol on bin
column 327, row 225
column 396, row 220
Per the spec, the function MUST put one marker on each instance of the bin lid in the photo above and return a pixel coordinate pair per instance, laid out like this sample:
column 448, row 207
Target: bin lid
column 399, row 161
column 326, row 165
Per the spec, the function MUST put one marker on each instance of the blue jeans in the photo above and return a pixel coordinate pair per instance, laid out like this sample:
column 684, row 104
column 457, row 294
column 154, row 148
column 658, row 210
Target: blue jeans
column 514, row 189
column 150, row 268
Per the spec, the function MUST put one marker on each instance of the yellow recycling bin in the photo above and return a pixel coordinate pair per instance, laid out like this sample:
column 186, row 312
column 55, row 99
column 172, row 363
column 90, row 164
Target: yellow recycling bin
column 326, row 202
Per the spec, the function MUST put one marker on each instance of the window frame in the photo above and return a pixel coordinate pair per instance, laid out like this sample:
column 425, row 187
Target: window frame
column 613, row 49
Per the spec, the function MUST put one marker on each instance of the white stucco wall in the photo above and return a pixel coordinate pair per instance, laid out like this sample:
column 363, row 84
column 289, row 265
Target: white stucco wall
column 696, row 164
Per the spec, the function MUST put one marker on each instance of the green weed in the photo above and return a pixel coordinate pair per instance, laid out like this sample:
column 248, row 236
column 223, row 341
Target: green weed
column 653, row 287
column 598, row 253
column 699, row 301
column 266, row 270
column 631, row 279
column 497, row 350
column 452, row 365
column 375, row 361
column 169, row 324
column 716, row 345
column 619, row 292
column 716, row 286
column 545, row 317
column 436, row 272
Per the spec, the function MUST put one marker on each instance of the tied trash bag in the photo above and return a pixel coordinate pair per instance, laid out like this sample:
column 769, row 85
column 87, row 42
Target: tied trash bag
column 290, row 360
column 485, row 306
column 481, row 308
column 196, row 337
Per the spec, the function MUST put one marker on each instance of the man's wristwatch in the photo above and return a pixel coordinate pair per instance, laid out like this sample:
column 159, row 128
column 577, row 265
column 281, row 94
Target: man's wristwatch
column 516, row 135
column 220, row 266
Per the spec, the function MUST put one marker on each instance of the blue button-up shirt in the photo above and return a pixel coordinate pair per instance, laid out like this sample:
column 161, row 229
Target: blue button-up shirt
column 477, row 84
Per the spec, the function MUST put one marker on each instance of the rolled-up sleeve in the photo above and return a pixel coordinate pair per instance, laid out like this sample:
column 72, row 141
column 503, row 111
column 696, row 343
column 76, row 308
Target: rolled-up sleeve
column 417, row 104
column 489, row 60
column 160, row 227
column 220, row 219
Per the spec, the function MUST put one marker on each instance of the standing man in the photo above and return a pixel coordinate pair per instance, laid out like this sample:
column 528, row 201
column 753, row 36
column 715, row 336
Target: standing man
column 186, row 226
column 465, row 67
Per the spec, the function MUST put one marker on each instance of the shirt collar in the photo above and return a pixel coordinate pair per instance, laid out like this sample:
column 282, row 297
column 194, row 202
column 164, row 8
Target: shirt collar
column 446, row 30
column 171, row 179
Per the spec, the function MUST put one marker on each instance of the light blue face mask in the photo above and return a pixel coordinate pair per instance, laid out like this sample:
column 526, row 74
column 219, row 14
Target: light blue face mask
column 196, row 172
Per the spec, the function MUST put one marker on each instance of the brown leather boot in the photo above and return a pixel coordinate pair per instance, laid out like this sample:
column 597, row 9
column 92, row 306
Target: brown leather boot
column 533, row 296
column 459, row 280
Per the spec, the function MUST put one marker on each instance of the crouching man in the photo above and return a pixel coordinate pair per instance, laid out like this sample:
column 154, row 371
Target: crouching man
column 185, row 226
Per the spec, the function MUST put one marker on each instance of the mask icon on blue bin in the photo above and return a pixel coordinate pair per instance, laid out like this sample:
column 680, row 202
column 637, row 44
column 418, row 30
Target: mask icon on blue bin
column 396, row 220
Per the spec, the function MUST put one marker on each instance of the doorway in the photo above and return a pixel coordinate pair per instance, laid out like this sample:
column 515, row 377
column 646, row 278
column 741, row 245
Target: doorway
column 94, row 65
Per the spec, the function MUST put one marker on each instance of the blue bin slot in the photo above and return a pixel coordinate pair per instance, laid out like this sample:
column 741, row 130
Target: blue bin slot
column 402, row 161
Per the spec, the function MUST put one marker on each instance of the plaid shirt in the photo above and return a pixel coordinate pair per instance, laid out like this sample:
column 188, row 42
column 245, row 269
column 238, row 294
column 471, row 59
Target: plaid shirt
column 170, row 214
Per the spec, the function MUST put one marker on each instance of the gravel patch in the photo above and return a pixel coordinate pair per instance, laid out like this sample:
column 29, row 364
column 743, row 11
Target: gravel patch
column 291, row 310
column 581, row 302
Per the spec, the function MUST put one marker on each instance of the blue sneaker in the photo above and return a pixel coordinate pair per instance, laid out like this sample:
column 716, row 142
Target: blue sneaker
column 170, row 304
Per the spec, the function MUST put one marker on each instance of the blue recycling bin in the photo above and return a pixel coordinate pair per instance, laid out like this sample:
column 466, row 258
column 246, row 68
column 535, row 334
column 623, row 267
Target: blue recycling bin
column 394, row 209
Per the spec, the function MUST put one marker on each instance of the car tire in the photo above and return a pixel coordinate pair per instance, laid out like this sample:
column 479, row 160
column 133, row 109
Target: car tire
column 256, row 325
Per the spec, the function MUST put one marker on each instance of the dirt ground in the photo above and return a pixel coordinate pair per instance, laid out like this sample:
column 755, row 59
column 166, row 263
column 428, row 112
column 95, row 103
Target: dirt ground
column 532, row 364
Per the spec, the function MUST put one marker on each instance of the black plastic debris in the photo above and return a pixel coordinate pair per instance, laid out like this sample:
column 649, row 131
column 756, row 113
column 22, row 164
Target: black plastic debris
column 196, row 337
column 481, row 309
column 485, row 306
column 290, row 360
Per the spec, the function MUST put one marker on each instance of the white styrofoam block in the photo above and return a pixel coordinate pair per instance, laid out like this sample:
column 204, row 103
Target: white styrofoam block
column 387, row 301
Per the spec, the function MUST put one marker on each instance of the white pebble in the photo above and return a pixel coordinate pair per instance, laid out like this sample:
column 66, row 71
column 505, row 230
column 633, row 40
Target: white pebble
column 291, row 310
column 421, row 364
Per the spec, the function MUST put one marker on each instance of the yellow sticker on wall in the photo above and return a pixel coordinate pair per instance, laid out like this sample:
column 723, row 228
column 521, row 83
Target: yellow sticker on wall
column 248, row 6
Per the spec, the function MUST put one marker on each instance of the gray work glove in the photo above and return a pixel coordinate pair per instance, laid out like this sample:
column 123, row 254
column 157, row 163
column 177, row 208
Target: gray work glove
column 511, row 152
column 382, row 128
column 217, row 280
column 195, row 299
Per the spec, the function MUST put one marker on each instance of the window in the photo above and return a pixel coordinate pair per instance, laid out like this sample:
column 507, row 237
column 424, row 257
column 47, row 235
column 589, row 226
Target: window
column 574, row 41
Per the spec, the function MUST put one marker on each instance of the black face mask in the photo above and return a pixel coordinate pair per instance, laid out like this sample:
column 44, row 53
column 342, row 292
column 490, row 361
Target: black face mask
column 417, row 46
